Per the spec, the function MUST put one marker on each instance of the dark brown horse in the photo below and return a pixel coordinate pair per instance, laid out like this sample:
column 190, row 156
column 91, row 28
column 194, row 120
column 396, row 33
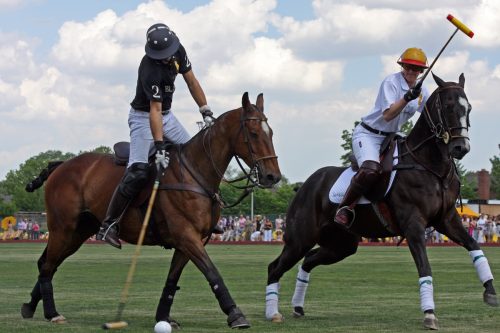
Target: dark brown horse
column 423, row 195
column 186, row 209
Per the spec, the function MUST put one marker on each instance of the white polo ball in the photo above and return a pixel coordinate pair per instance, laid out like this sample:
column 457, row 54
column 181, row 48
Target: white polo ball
column 163, row 327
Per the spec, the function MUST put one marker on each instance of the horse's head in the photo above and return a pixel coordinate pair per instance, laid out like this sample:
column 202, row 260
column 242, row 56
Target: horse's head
column 255, row 142
column 447, row 112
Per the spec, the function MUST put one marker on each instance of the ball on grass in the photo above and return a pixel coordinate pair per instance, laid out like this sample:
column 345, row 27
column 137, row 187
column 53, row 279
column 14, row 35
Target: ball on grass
column 163, row 327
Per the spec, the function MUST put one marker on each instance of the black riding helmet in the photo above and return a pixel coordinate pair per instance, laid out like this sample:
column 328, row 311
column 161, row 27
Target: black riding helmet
column 161, row 42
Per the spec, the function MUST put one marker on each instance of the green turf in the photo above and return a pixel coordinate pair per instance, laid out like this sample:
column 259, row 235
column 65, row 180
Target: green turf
column 375, row 290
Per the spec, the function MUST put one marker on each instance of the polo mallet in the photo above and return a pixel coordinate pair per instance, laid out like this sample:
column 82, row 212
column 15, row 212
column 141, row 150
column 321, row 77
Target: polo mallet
column 118, row 323
column 460, row 26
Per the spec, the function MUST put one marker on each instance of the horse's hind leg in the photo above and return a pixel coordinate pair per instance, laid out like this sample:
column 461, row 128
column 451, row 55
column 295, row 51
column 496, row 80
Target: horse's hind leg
column 179, row 261
column 342, row 245
column 62, row 243
column 291, row 254
column 455, row 231
column 28, row 309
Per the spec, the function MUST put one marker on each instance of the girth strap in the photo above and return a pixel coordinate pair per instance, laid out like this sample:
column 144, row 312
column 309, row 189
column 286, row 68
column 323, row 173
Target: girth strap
column 184, row 187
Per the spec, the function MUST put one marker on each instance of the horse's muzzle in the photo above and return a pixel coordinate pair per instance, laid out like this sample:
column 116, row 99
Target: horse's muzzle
column 458, row 151
column 269, row 179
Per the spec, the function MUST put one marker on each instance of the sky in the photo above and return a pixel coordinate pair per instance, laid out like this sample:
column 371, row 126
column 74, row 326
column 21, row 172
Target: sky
column 68, row 69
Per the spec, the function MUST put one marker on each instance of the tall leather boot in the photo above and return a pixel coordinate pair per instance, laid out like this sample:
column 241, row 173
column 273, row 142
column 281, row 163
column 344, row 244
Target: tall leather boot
column 363, row 180
column 109, row 231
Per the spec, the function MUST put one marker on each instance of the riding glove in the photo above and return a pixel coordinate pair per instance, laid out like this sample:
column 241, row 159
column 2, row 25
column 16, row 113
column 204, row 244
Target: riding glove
column 412, row 93
column 161, row 157
column 207, row 115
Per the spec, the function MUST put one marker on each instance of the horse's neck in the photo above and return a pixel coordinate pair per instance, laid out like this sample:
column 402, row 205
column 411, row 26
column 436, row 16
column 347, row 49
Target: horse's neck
column 210, row 153
column 432, row 152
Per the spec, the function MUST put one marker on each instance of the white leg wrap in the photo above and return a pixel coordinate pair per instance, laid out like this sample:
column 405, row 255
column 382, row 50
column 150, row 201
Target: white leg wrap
column 481, row 264
column 272, row 292
column 300, row 288
column 426, row 293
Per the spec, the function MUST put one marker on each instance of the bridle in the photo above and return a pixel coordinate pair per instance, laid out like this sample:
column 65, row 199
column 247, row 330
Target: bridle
column 252, row 176
column 439, row 129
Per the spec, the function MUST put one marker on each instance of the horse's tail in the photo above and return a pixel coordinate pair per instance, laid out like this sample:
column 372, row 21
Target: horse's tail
column 43, row 176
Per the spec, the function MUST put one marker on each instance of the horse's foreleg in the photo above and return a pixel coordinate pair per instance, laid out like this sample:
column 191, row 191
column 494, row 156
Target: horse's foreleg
column 457, row 233
column 179, row 261
column 196, row 252
column 415, row 234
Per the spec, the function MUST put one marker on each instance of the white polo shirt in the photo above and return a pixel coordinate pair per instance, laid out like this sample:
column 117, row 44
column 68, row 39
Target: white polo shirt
column 392, row 89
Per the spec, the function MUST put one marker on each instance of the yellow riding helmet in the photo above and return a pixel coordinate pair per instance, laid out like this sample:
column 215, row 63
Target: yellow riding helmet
column 413, row 56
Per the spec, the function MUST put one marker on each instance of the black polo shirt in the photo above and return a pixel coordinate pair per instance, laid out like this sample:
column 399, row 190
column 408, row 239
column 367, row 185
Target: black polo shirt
column 155, row 81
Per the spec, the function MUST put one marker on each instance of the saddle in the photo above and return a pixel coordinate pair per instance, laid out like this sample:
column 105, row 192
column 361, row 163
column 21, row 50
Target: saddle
column 122, row 152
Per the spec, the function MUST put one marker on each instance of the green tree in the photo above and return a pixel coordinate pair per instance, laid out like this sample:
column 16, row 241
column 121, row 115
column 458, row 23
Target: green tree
column 347, row 141
column 467, row 178
column 7, row 208
column 16, row 180
column 495, row 176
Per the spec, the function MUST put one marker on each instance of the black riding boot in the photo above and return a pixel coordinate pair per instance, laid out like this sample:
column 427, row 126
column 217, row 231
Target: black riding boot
column 361, row 183
column 109, row 231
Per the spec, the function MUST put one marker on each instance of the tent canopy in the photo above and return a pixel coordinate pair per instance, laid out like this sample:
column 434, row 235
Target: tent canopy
column 466, row 210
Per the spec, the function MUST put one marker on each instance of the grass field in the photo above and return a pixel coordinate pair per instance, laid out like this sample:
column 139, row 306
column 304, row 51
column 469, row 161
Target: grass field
column 375, row 290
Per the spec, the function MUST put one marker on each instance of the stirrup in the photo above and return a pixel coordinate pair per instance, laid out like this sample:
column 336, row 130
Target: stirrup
column 102, row 235
column 351, row 218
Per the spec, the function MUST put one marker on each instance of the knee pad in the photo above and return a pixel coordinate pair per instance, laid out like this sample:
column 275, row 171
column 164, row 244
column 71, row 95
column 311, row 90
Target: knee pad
column 135, row 178
column 367, row 175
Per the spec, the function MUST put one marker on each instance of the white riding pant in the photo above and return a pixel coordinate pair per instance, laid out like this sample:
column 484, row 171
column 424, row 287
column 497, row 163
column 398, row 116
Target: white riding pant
column 366, row 145
column 141, row 137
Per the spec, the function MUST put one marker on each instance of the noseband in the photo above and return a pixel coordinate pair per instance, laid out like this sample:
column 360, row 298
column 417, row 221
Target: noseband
column 440, row 129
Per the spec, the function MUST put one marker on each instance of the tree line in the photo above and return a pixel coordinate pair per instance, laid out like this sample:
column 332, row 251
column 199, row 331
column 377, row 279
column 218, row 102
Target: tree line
column 14, row 198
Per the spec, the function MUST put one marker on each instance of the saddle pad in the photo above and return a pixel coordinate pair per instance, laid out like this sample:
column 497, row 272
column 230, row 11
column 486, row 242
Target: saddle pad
column 340, row 186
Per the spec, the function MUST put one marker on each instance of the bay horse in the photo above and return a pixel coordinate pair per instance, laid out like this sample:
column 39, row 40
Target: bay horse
column 186, row 208
column 423, row 195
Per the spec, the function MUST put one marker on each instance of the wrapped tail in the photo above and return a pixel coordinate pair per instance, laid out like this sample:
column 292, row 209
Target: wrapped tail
column 43, row 176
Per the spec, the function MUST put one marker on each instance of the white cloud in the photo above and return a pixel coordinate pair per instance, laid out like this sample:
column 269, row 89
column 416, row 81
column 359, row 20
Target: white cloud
column 79, row 98
column 268, row 65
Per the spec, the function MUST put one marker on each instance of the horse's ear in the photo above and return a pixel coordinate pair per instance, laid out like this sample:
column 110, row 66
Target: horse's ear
column 439, row 82
column 260, row 102
column 245, row 102
column 461, row 80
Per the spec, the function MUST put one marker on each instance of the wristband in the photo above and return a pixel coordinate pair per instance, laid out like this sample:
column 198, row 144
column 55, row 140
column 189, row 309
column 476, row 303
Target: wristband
column 205, row 108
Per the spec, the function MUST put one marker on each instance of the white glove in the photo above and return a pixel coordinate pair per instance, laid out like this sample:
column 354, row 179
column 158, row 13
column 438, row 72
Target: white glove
column 161, row 157
column 207, row 115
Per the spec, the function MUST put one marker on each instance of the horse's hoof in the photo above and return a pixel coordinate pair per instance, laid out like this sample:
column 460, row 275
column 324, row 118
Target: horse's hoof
column 27, row 311
column 430, row 321
column 490, row 299
column 277, row 318
column 236, row 319
column 298, row 312
column 58, row 320
column 174, row 324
